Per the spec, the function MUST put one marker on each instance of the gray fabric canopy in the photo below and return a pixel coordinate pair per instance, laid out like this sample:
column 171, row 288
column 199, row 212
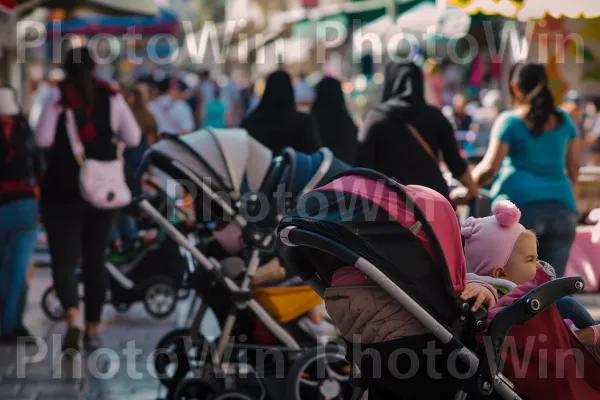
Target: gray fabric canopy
column 227, row 155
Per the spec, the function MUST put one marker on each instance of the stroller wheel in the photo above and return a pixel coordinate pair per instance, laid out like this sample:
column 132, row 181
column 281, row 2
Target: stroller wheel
column 51, row 305
column 320, row 373
column 160, row 298
column 123, row 307
column 173, row 356
column 195, row 389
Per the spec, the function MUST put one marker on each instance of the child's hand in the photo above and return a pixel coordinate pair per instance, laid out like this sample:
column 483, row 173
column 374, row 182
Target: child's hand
column 481, row 293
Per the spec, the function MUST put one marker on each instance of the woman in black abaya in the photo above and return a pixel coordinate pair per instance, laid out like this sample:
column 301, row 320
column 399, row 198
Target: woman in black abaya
column 337, row 129
column 277, row 124
column 411, row 157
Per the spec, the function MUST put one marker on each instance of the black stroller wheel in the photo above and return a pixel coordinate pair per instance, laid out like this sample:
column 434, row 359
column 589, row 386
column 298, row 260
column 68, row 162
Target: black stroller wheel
column 195, row 389
column 160, row 298
column 51, row 305
column 320, row 373
column 175, row 355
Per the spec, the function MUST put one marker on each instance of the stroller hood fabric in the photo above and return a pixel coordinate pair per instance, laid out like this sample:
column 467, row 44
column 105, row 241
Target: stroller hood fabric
column 543, row 358
column 408, row 232
column 231, row 156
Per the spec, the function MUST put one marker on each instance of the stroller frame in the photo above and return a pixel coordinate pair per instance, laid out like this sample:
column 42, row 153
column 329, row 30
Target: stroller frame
column 487, row 379
column 260, row 243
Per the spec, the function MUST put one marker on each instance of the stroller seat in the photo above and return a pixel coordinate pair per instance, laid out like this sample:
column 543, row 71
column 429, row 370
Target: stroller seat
column 406, row 241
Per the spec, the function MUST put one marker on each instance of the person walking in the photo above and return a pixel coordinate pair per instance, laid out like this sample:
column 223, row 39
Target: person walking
column 147, row 124
column 214, row 112
column 76, row 229
column 171, row 112
column 18, row 211
column 404, row 136
column 276, row 123
column 531, row 147
column 335, row 125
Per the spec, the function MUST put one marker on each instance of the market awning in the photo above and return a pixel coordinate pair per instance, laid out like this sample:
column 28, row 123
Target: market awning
column 423, row 21
column 532, row 9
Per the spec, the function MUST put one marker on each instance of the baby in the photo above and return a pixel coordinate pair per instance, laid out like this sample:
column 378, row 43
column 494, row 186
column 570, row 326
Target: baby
column 500, row 248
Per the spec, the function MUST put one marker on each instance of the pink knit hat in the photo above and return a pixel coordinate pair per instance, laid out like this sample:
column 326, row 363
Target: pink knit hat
column 489, row 241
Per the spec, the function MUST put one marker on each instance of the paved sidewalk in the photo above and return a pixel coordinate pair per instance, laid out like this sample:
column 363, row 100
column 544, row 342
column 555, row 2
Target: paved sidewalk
column 106, row 375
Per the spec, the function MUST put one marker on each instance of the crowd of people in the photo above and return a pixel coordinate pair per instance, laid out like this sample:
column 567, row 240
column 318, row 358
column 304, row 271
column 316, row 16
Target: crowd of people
column 531, row 146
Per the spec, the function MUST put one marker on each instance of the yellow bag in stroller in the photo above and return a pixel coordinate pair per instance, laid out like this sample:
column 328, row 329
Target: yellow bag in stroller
column 287, row 303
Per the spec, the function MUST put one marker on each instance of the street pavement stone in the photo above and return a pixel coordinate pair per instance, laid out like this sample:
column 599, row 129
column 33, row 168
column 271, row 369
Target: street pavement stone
column 48, row 377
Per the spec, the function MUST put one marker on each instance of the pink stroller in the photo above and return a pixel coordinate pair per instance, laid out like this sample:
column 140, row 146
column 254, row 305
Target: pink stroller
column 406, row 241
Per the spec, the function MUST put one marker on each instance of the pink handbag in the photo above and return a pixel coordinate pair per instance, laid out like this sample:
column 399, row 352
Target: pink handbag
column 101, row 183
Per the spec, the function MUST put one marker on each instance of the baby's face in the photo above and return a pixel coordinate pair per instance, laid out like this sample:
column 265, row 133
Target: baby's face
column 523, row 261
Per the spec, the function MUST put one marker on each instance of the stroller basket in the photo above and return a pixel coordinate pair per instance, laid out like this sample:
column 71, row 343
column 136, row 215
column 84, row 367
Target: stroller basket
column 287, row 303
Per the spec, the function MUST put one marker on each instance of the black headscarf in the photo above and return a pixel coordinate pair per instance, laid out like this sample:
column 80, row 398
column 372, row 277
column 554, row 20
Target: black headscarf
column 403, row 90
column 278, row 95
column 276, row 123
column 336, row 128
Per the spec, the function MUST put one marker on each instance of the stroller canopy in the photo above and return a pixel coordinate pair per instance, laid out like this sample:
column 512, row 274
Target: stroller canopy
column 410, row 233
column 230, row 158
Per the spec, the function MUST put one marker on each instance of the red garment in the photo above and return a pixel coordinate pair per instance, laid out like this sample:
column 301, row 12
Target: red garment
column 543, row 358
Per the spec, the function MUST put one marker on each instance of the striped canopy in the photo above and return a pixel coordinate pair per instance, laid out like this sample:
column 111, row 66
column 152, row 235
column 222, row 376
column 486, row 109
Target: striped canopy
column 532, row 9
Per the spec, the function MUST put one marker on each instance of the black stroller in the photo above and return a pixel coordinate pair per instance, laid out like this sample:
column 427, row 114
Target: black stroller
column 258, row 354
column 387, row 232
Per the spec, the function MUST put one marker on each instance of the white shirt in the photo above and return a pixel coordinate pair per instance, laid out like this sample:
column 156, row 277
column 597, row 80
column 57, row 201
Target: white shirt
column 172, row 116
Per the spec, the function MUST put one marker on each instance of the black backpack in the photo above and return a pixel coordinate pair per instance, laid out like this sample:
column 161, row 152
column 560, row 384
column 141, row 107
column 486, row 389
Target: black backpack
column 19, row 156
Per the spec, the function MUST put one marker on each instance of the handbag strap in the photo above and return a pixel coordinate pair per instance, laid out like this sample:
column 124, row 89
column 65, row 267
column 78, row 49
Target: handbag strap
column 423, row 143
column 76, row 142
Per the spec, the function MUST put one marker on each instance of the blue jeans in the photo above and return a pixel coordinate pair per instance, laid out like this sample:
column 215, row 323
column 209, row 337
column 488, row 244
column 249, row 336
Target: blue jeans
column 18, row 232
column 554, row 225
column 570, row 308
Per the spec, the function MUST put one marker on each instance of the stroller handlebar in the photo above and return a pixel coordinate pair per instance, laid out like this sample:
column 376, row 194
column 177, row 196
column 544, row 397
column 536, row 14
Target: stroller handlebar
column 528, row 306
column 293, row 236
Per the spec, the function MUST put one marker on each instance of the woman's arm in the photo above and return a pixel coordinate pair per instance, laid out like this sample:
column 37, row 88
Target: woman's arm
column 128, row 129
column 456, row 164
column 573, row 163
column 45, row 131
column 483, row 174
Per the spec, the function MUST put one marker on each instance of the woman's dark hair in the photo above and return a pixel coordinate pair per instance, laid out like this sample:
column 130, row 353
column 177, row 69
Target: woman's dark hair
column 532, row 79
column 79, row 69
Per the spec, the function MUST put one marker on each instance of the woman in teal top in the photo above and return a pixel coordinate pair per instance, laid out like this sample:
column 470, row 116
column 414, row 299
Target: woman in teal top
column 533, row 160
column 214, row 111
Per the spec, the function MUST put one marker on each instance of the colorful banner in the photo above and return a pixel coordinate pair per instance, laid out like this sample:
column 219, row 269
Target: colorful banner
column 532, row 9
